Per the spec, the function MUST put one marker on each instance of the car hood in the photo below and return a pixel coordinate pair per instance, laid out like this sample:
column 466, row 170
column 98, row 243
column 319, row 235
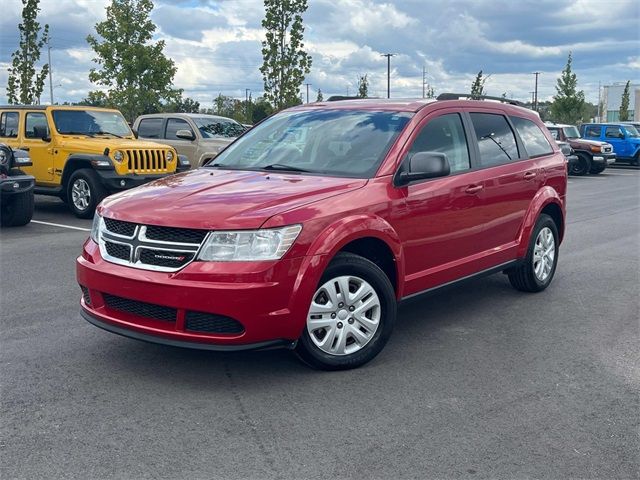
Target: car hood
column 221, row 199
column 97, row 145
column 585, row 143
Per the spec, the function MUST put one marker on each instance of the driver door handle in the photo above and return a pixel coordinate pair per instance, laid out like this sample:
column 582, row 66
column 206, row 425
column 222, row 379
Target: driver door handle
column 471, row 189
column 530, row 175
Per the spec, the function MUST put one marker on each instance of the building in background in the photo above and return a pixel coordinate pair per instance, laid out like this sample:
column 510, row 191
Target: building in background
column 612, row 98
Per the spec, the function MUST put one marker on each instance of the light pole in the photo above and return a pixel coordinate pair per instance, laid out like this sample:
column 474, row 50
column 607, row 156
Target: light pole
column 50, row 74
column 247, row 97
column 535, row 101
column 388, row 55
column 308, row 85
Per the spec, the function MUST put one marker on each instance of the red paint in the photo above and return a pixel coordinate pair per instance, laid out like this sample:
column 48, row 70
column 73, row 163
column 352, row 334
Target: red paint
column 438, row 231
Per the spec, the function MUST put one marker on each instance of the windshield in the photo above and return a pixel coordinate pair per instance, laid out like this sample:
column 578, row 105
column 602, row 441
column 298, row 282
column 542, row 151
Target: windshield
column 90, row 122
column 571, row 132
column 631, row 131
column 349, row 143
column 218, row 127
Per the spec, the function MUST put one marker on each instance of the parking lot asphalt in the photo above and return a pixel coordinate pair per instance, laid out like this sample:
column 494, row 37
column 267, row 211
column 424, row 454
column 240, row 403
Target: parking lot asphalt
column 478, row 381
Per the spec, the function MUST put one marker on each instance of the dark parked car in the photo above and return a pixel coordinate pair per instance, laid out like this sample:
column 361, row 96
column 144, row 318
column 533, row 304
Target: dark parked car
column 569, row 155
column 309, row 229
column 16, row 188
column 623, row 136
column 593, row 156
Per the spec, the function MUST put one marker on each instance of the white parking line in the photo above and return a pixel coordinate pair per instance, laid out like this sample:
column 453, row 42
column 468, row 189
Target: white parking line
column 620, row 174
column 62, row 226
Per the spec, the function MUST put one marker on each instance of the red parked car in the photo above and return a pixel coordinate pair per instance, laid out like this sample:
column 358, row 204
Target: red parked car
column 309, row 229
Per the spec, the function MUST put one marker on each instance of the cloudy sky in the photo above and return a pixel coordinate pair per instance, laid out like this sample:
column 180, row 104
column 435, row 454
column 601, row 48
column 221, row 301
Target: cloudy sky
column 216, row 44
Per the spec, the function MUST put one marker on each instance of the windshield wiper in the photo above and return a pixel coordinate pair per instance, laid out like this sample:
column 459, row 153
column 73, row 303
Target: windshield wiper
column 107, row 133
column 284, row 168
column 78, row 133
column 490, row 137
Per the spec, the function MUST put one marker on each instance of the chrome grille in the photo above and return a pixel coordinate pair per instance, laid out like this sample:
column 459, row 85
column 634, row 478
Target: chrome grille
column 149, row 247
column 147, row 161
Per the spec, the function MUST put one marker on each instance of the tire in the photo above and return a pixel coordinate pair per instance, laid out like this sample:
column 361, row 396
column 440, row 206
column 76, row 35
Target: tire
column 524, row 277
column 89, row 193
column 596, row 169
column 582, row 166
column 349, row 339
column 636, row 159
column 17, row 210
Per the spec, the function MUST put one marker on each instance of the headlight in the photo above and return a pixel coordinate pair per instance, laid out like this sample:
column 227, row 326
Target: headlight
column 118, row 156
column 597, row 148
column 249, row 245
column 4, row 156
column 169, row 156
column 96, row 227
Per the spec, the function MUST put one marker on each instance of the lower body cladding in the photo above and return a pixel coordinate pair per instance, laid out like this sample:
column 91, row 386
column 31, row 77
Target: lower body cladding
column 206, row 305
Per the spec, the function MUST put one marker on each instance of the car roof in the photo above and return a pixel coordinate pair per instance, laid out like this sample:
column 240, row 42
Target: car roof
column 559, row 125
column 186, row 115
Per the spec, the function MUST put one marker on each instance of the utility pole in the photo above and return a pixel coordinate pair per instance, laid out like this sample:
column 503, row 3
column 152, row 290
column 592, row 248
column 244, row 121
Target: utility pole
column 388, row 55
column 424, row 80
column 50, row 74
column 308, row 85
column 532, row 98
column 535, row 101
column 599, row 103
column 247, row 96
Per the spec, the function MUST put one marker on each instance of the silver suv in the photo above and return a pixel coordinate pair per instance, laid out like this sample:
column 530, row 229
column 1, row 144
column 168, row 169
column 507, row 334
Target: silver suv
column 198, row 136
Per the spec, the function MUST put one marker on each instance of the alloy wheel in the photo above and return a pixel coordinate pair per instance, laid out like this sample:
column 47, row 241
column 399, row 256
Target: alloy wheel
column 81, row 194
column 544, row 253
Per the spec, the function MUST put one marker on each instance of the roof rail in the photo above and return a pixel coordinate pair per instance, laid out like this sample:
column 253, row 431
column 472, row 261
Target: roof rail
column 458, row 96
column 337, row 98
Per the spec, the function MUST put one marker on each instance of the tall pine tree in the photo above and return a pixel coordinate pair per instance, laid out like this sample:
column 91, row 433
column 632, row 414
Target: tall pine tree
column 285, row 63
column 624, row 104
column 25, row 84
column 568, row 103
column 477, row 87
column 137, row 74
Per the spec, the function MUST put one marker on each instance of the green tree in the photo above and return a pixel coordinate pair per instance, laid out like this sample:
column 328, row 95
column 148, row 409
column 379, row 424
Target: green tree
column 182, row 105
column 285, row 63
column 319, row 97
column 96, row 98
column 477, row 87
column 430, row 93
column 568, row 103
column 25, row 84
column 138, row 75
column 261, row 109
column 363, row 86
column 624, row 104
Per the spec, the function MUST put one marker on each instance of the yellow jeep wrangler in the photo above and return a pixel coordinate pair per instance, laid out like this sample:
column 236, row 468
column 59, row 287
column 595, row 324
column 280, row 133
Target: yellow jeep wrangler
column 82, row 154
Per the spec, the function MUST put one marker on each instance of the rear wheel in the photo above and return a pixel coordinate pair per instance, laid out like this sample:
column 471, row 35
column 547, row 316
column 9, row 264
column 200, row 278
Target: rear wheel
column 84, row 192
column 351, row 315
column 582, row 166
column 17, row 209
column 539, row 266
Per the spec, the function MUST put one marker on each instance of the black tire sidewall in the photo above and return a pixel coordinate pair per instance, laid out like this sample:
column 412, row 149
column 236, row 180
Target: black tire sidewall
column 349, row 264
column 582, row 166
column 96, row 190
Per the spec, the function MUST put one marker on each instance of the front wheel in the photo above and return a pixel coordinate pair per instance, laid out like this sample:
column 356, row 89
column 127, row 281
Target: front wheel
column 84, row 192
column 539, row 266
column 351, row 315
column 582, row 166
column 17, row 209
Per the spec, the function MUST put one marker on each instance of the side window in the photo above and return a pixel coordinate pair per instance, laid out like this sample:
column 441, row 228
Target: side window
column 495, row 139
column 446, row 135
column 150, row 128
column 553, row 132
column 173, row 125
column 592, row 131
column 613, row 132
column 36, row 125
column 535, row 143
column 9, row 124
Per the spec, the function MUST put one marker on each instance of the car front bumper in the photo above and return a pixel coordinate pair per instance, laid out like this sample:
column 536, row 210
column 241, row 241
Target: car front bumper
column 604, row 158
column 12, row 185
column 267, row 299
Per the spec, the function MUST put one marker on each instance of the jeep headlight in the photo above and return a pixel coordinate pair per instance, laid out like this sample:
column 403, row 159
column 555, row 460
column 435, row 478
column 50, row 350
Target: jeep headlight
column 249, row 245
column 169, row 156
column 118, row 156
column 96, row 227
column 4, row 156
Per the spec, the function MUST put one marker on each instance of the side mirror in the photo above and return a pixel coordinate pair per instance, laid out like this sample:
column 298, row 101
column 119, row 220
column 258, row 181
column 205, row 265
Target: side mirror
column 42, row 133
column 185, row 134
column 423, row 165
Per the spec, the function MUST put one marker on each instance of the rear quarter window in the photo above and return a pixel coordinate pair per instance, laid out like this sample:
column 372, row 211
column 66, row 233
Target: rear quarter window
column 9, row 124
column 150, row 127
column 535, row 143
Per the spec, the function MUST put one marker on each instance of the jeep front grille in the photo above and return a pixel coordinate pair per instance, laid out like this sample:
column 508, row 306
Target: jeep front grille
column 149, row 247
column 147, row 161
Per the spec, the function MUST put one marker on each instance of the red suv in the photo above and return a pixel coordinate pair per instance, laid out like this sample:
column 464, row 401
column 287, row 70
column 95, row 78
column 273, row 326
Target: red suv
column 309, row 229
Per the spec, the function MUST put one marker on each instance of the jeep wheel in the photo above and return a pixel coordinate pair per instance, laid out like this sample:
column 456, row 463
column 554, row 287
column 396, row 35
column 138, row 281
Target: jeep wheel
column 84, row 192
column 539, row 266
column 351, row 315
column 636, row 159
column 582, row 166
column 17, row 210
column 596, row 169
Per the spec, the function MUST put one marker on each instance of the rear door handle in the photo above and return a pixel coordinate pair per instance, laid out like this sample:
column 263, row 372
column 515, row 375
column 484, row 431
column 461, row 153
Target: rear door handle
column 471, row 189
column 530, row 175
column 26, row 149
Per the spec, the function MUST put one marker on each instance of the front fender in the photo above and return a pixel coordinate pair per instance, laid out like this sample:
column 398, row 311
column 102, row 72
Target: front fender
column 545, row 196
